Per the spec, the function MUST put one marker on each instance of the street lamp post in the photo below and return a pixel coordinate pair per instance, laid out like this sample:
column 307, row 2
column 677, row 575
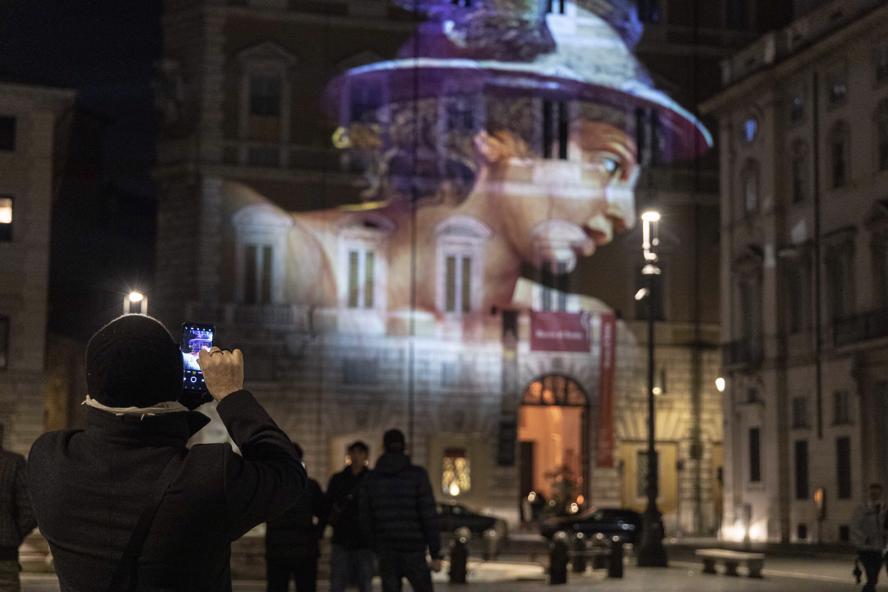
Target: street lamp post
column 135, row 303
column 651, row 552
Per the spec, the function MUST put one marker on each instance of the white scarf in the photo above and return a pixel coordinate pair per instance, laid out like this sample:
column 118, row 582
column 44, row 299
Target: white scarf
column 161, row 408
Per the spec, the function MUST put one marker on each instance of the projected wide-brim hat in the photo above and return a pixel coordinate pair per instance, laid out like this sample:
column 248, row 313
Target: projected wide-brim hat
column 512, row 47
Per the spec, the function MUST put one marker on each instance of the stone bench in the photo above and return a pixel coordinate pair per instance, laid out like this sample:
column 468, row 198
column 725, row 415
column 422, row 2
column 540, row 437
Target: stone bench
column 754, row 562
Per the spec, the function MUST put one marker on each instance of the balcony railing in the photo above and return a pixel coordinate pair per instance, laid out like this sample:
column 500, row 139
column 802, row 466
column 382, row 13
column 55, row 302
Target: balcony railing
column 862, row 327
column 743, row 353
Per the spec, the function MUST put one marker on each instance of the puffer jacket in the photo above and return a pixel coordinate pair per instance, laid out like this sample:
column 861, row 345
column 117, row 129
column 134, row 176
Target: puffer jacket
column 297, row 532
column 868, row 527
column 397, row 507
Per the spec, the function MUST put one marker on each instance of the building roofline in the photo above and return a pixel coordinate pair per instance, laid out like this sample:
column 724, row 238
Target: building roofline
column 777, row 66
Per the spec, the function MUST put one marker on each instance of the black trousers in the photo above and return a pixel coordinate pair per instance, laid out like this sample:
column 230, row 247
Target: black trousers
column 394, row 567
column 872, row 564
column 303, row 571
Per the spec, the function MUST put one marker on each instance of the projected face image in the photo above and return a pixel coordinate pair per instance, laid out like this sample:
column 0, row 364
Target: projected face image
column 552, row 211
column 192, row 342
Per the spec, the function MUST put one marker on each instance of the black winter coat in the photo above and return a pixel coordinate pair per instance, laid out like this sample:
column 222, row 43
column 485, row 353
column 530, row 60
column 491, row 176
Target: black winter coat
column 343, row 492
column 89, row 487
column 398, row 510
column 295, row 533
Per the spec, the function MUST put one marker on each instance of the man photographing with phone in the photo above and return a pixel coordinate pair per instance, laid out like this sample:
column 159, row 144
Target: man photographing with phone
column 123, row 503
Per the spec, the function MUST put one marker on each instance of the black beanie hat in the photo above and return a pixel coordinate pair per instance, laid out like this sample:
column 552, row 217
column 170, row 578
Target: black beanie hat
column 133, row 361
column 393, row 441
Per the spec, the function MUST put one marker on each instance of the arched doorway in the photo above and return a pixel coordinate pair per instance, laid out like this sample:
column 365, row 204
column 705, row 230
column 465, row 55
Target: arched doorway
column 553, row 435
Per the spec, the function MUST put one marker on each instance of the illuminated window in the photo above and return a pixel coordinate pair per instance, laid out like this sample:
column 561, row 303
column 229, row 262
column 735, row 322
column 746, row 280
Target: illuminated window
column 555, row 286
column 361, row 278
column 460, row 262
column 555, row 129
column 7, row 133
column 265, row 95
column 6, row 203
column 750, row 129
column 458, row 284
column 456, row 472
column 260, row 268
column 4, row 342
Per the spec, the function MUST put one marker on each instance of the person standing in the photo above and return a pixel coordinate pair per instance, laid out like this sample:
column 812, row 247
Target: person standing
column 123, row 503
column 868, row 533
column 292, row 540
column 400, row 519
column 351, row 560
column 16, row 518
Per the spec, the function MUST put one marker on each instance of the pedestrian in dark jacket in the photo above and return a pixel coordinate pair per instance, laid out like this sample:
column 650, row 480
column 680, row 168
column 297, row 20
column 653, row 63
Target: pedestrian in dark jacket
column 90, row 487
column 869, row 533
column 351, row 559
column 292, row 540
column 16, row 518
column 399, row 517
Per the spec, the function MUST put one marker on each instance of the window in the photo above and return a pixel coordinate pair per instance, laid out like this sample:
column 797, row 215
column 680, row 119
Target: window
column 649, row 11
column 755, row 459
column 750, row 129
column 838, row 152
column 461, row 3
column 554, row 286
column 641, row 471
column 879, row 248
column 460, row 114
column 799, row 172
column 882, row 131
column 841, row 407
column 257, row 274
column 458, row 284
column 844, row 533
column 555, row 129
column 6, row 203
column 839, row 262
column 4, row 342
column 555, row 6
column 801, row 469
column 880, row 62
column 802, row 531
column 360, row 371
column 800, row 412
column 7, row 133
column 648, row 138
column 265, row 95
column 456, row 473
column 797, row 108
column 750, row 309
column 837, row 86
column 795, row 297
column 843, row 467
column 750, row 185
column 737, row 15
column 361, row 278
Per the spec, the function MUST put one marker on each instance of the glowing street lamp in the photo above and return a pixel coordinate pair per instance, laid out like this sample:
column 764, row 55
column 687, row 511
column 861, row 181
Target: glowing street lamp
column 720, row 384
column 135, row 303
column 651, row 552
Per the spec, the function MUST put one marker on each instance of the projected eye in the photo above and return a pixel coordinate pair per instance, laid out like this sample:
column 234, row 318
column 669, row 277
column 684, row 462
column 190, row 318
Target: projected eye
column 612, row 166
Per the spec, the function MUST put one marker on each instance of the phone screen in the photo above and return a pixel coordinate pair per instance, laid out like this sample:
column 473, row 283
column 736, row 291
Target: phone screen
column 195, row 337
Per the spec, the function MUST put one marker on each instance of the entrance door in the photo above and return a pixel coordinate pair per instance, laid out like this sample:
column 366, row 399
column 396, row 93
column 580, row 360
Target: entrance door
column 553, row 431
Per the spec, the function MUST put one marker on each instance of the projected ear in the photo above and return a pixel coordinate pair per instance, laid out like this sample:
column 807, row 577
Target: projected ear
column 499, row 147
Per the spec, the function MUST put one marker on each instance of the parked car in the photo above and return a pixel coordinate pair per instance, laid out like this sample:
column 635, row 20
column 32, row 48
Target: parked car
column 608, row 521
column 452, row 515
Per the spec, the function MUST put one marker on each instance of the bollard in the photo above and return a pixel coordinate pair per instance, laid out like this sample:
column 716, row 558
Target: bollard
column 558, row 556
column 491, row 544
column 459, row 555
column 599, row 559
column 579, row 554
column 615, row 565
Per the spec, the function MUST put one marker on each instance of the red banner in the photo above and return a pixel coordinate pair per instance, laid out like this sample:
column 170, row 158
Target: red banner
column 559, row 331
column 605, row 448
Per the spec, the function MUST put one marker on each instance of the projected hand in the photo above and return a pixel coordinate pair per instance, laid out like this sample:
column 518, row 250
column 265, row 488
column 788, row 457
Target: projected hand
column 223, row 371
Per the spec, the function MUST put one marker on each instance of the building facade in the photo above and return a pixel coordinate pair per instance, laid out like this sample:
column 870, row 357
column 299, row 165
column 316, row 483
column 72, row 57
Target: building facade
column 803, row 122
column 359, row 319
column 29, row 123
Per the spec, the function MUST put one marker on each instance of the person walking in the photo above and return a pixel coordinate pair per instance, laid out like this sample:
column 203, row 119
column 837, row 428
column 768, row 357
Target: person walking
column 351, row 560
column 399, row 518
column 123, row 503
column 869, row 533
column 292, row 541
column 16, row 518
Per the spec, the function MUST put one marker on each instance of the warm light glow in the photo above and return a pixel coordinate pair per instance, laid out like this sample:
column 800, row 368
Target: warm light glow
column 574, row 508
column 5, row 210
column 531, row 497
column 720, row 384
column 135, row 297
column 651, row 216
column 454, row 489
column 641, row 294
column 658, row 391
column 581, row 500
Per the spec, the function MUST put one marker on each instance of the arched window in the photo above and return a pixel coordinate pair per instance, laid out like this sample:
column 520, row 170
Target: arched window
column 882, row 131
column 799, row 171
column 839, row 141
column 749, row 186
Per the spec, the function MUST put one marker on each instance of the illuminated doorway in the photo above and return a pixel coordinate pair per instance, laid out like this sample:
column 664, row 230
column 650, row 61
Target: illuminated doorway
column 553, row 432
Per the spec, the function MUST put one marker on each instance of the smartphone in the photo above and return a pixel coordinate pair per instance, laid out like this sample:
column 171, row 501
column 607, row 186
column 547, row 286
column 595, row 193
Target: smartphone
column 195, row 337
